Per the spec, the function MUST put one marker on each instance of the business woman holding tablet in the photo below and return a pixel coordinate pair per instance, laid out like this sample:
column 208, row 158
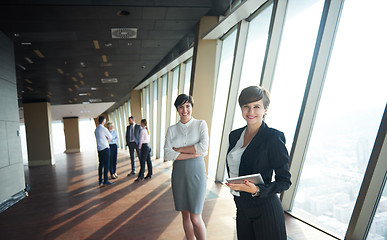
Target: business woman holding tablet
column 256, row 148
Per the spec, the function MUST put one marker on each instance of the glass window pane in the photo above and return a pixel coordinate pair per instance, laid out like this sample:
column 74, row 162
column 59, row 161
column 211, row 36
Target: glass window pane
column 220, row 103
column 293, row 64
column 347, row 120
column 187, row 77
column 175, row 90
column 378, row 230
column 254, row 55
column 163, row 113
column 154, row 124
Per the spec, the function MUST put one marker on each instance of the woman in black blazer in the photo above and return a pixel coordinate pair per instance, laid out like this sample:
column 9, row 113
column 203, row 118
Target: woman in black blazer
column 256, row 148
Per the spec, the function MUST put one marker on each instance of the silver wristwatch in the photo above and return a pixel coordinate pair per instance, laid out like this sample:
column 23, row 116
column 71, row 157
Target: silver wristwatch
column 256, row 194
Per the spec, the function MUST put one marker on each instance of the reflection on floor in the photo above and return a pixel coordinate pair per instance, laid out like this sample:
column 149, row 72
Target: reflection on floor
column 65, row 202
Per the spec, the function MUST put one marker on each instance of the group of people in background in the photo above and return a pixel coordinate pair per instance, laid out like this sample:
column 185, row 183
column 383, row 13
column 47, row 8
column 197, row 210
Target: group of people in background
column 254, row 148
column 137, row 138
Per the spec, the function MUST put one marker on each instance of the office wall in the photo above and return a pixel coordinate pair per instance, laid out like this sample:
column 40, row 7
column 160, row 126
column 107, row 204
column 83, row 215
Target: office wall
column 11, row 161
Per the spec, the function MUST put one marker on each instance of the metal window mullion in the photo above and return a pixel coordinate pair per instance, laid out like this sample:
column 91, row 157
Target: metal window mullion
column 371, row 188
column 279, row 11
column 232, row 97
column 122, row 125
column 320, row 60
column 169, row 99
column 150, row 117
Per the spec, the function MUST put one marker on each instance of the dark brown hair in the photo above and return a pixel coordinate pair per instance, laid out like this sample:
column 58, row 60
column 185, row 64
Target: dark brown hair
column 254, row 94
column 183, row 98
column 143, row 121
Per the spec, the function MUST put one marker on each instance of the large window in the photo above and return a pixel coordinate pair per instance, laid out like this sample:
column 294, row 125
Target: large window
column 348, row 118
column 378, row 230
column 221, row 96
column 254, row 55
column 154, row 120
column 293, row 64
column 163, row 113
column 187, row 76
column 175, row 90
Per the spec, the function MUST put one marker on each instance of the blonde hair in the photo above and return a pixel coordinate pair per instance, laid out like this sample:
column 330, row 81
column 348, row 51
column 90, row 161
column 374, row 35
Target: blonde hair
column 108, row 124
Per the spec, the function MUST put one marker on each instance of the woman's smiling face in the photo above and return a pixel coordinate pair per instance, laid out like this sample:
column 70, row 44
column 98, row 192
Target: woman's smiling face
column 254, row 112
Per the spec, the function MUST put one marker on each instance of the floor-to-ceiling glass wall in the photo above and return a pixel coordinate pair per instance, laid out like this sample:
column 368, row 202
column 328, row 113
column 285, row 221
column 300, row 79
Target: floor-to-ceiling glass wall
column 254, row 55
column 349, row 114
column 293, row 64
column 220, row 101
column 187, row 77
column 175, row 90
column 163, row 113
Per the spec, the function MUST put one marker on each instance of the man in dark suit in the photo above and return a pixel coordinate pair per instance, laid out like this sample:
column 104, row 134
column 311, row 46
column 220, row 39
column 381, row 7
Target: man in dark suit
column 132, row 138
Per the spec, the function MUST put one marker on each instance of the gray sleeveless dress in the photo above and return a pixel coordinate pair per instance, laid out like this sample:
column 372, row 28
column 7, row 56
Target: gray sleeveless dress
column 189, row 184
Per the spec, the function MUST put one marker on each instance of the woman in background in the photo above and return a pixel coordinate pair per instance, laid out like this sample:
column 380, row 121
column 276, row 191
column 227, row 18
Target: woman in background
column 113, row 150
column 186, row 143
column 256, row 148
column 145, row 149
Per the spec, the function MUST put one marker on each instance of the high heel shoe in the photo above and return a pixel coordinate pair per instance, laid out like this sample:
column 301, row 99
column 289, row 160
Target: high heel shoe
column 148, row 177
column 139, row 179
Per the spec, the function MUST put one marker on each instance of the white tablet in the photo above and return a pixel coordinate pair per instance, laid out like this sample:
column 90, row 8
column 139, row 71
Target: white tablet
column 254, row 178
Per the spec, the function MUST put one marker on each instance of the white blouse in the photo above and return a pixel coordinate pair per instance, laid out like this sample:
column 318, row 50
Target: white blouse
column 234, row 159
column 194, row 132
column 144, row 137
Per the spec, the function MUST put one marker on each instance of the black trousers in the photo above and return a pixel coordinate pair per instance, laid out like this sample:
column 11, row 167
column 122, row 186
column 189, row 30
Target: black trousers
column 260, row 218
column 103, row 157
column 132, row 146
column 113, row 158
column 145, row 157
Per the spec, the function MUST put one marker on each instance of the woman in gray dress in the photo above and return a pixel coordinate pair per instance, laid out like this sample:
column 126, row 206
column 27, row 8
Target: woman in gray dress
column 186, row 143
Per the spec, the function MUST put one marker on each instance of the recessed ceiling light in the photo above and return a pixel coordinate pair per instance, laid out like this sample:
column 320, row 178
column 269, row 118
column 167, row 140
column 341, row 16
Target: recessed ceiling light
column 85, row 102
column 106, row 64
column 96, row 44
column 106, row 74
column 28, row 81
column 83, row 94
column 21, row 66
column 76, row 86
column 74, row 79
column 26, row 43
column 108, row 44
column 75, row 99
column 109, row 80
column 104, row 58
column 28, row 60
column 16, row 35
column 83, row 64
column 82, row 82
column 30, row 88
column 130, row 44
column 93, row 88
column 143, row 66
column 80, row 75
column 95, row 100
column 37, row 52
column 60, row 71
column 70, row 90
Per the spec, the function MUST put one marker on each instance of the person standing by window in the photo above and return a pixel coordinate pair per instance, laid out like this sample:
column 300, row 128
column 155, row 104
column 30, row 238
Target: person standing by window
column 186, row 143
column 103, row 137
column 256, row 148
column 145, row 150
column 113, row 150
column 132, row 137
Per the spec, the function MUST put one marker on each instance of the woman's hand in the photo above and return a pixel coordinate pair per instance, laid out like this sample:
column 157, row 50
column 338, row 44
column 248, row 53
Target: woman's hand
column 176, row 149
column 247, row 186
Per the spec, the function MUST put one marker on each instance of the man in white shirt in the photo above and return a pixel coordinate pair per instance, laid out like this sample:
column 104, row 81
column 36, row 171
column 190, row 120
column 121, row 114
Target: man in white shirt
column 103, row 137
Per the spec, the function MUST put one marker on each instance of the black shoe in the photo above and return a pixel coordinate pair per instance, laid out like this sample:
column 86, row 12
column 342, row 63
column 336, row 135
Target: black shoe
column 148, row 177
column 108, row 183
column 138, row 179
column 132, row 173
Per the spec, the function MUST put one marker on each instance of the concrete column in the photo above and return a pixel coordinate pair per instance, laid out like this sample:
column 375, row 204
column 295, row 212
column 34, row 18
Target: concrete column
column 12, row 179
column 135, row 105
column 37, row 117
column 71, row 132
column 203, row 73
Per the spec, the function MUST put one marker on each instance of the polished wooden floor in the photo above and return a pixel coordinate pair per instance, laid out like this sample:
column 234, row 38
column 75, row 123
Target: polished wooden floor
column 66, row 202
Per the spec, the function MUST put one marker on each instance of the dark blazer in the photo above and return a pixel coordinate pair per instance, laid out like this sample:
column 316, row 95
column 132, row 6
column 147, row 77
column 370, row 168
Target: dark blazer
column 265, row 154
column 136, row 137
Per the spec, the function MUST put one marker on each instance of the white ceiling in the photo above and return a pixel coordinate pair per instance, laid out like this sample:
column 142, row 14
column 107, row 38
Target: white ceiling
column 91, row 110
